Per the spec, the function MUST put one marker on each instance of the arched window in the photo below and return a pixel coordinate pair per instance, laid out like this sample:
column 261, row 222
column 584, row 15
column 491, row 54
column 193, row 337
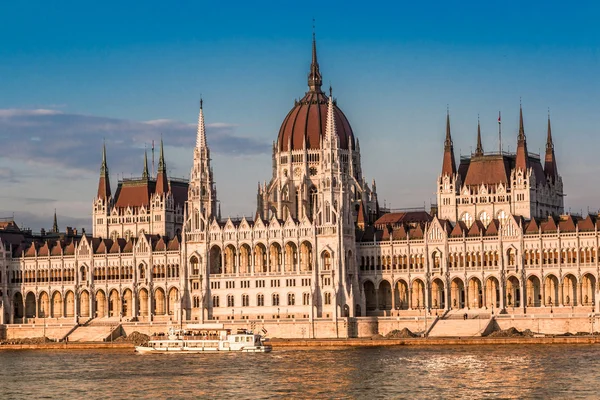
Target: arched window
column 275, row 299
column 260, row 300
column 245, row 300
column 305, row 299
column 327, row 298
column 194, row 266
column 230, row 300
column 291, row 299
column 215, row 301
column 326, row 261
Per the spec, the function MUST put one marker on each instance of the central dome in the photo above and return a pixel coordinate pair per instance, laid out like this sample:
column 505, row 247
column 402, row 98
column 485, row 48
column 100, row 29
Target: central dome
column 306, row 122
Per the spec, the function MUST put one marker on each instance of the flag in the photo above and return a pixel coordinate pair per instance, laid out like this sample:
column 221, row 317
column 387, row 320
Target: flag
column 499, row 119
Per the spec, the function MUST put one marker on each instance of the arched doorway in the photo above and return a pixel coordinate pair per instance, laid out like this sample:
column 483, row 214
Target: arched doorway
column 291, row 257
column 588, row 290
column 569, row 290
column 18, row 305
column 513, row 292
column 84, row 304
column 57, row 305
column 114, row 304
column 230, row 259
column 159, row 302
column 44, row 305
column 385, row 295
column 100, row 304
column 173, row 299
column 438, row 297
column 216, row 265
column 418, row 294
column 306, row 261
column 457, row 293
column 128, row 303
column 69, row 304
column 492, row 292
column 370, row 297
column 401, row 295
column 30, row 305
column 551, row 290
column 143, row 297
column 533, row 291
column 275, row 257
column 245, row 259
column 475, row 293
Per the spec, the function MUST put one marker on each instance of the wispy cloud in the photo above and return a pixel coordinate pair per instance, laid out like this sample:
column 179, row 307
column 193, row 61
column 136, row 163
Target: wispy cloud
column 73, row 141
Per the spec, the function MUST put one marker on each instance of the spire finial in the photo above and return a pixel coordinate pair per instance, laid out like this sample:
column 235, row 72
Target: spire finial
column 549, row 142
column 448, row 135
column 521, row 127
column 161, row 158
column 104, row 165
column 314, row 76
column 201, row 132
column 145, row 172
column 55, row 224
column 479, row 149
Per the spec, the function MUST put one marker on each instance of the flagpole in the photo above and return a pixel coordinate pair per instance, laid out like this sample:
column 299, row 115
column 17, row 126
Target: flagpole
column 500, row 131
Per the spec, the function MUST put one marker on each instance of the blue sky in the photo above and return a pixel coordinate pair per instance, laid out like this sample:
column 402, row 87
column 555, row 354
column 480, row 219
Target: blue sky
column 72, row 74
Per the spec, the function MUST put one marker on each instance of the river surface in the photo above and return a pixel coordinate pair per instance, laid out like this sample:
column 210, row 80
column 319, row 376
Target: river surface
column 509, row 371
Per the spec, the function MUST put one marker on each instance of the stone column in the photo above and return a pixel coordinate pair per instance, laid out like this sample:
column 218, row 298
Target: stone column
column 543, row 292
column 393, row 297
column 150, row 308
column 92, row 300
column 562, row 292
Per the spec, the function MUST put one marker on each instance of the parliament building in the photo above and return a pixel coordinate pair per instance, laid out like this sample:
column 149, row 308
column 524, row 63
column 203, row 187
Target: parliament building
column 319, row 248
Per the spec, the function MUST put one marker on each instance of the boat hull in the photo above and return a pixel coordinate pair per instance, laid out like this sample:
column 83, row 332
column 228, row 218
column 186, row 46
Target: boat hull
column 187, row 350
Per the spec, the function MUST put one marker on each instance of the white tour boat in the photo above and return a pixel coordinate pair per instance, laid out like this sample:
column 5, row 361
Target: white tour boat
column 201, row 338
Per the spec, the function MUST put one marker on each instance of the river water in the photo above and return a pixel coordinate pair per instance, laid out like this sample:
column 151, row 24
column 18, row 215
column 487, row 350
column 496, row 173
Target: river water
column 509, row 371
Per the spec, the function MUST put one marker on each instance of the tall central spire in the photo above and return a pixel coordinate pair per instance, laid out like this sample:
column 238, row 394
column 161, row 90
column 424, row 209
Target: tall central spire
column 479, row 149
column 201, row 133
column 104, row 183
column 522, row 158
column 448, row 164
column 314, row 76
column 550, row 167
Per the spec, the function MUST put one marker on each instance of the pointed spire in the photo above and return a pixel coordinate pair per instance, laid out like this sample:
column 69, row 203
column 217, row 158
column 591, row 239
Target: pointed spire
column 145, row 172
column 104, row 166
column 549, row 143
column 550, row 167
column 314, row 76
column 161, row 159
column 330, row 129
column 479, row 149
column 201, row 132
column 522, row 160
column 521, row 127
column 448, row 163
column 104, row 182
column 55, row 224
column 161, row 176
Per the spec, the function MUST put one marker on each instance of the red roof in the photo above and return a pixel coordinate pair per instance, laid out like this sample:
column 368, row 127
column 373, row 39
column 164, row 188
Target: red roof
column 308, row 120
column 403, row 217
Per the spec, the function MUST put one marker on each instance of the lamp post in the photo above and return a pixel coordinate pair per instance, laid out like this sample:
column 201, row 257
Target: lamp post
column 277, row 312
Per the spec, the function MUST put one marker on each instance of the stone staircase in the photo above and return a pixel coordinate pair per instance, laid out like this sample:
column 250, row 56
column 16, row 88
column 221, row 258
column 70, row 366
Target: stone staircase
column 458, row 327
column 95, row 333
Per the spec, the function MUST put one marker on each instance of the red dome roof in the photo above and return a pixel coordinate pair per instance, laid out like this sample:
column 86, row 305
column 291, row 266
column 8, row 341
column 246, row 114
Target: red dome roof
column 307, row 121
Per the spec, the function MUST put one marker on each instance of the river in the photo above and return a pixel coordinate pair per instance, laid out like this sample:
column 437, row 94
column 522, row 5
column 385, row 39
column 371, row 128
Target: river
column 508, row 371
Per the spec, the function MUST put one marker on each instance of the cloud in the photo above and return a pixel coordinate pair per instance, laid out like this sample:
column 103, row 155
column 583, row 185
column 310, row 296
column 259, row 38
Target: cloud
column 73, row 141
column 9, row 175
column 29, row 220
